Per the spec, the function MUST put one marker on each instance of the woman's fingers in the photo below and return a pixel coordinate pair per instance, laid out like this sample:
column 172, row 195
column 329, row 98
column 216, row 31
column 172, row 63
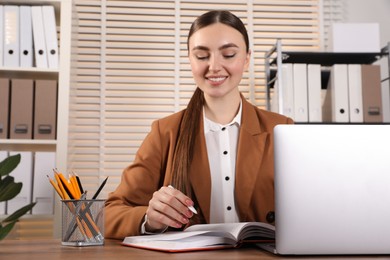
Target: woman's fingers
column 166, row 208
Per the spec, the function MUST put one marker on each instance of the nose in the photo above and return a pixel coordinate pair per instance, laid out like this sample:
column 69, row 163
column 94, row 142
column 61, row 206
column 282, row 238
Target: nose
column 214, row 63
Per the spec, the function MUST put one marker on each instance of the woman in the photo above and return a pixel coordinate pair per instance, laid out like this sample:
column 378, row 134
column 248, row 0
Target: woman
column 217, row 153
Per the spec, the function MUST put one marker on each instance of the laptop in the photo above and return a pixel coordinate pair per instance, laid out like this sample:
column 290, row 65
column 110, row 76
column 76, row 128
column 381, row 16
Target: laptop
column 332, row 189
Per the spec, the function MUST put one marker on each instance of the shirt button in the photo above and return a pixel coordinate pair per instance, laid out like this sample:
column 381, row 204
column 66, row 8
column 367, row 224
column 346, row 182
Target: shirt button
column 227, row 178
column 229, row 208
column 225, row 152
column 223, row 128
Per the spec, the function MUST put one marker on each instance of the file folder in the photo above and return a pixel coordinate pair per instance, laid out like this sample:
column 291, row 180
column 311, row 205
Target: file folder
column 43, row 194
column 22, row 173
column 49, row 22
column 336, row 104
column 1, row 34
column 300, row 93
column 284, row 86
column 355, row 93
column 21, row 108
column 314, row 92
column 26, row 42
column 45, row 109
column 371, row 89
column 39, row 37
column 386, row 101
column 3, row 155
column 11, row 36
column 4, row 107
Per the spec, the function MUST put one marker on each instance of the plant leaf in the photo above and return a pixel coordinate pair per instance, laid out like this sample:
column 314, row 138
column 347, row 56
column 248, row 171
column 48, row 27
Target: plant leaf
column 20, row 212
column 9, row 164
column 6, row 229
column 4, row 182
column 10, row 190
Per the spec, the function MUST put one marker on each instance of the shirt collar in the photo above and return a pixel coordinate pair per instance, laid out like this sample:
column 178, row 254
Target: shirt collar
column 213, row 126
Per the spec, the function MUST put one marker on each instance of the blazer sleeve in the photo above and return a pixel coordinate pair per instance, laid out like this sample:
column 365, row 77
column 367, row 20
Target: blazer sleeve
column 126, row 206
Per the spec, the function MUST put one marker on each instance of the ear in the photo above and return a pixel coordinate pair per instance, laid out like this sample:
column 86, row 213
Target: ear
column 247, row 59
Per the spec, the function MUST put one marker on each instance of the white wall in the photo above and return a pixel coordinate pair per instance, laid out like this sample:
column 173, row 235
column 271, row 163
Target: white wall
column 370, row 11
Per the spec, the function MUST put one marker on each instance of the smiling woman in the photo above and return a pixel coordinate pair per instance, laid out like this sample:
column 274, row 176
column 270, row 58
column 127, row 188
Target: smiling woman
column 220, row 146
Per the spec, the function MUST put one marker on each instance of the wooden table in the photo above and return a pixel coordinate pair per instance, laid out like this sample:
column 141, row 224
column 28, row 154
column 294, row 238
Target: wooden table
column 52, row 249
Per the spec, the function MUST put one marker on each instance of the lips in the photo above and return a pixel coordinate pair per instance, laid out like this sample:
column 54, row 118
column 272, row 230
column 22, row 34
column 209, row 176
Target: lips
column 216, row 80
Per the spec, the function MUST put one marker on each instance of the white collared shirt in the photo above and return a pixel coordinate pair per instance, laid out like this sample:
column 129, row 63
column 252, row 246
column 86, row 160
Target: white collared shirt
column 221, row 142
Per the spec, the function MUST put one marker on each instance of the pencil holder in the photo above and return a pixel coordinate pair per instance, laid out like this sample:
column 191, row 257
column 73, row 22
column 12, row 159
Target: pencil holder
column 82, row 222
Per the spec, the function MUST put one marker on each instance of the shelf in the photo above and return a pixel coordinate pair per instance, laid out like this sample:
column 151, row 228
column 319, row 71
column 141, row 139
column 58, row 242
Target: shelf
column 36, row 73
column 329, row 58
column 27, row 145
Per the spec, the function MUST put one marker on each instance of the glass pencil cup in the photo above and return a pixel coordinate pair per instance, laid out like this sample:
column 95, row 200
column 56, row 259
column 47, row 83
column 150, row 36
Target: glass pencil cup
column 82, row 222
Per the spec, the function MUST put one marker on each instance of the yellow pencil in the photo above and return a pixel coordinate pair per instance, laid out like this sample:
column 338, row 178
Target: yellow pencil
column 59, row 192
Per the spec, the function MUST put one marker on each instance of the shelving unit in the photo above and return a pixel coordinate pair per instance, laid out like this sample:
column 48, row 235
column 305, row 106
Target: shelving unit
column 63, row 14
column 275, row 57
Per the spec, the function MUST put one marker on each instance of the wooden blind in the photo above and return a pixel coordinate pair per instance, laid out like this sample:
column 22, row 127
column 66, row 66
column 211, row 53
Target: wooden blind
column 130, row 67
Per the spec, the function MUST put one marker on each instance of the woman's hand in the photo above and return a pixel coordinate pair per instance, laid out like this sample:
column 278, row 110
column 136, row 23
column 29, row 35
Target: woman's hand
column 168, row 208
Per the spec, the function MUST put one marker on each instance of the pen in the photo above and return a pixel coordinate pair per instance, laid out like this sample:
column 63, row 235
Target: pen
column 189, row 207
column 99, row 189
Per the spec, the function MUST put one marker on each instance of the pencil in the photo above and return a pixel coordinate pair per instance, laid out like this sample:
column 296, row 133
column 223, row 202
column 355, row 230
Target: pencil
column 55, row 186
column 79, row 183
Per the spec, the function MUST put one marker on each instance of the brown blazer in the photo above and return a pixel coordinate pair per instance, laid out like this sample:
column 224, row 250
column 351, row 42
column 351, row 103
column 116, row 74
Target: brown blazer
column 151, row 169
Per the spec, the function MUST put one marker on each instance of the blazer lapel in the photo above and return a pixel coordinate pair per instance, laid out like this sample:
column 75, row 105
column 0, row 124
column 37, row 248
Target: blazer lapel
column 250, row 149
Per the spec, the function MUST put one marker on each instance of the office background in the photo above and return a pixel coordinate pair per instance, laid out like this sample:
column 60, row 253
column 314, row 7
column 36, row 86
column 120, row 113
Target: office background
column 129, row 67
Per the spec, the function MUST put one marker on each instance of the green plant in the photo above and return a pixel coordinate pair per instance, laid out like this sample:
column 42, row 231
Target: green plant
column 8, row 190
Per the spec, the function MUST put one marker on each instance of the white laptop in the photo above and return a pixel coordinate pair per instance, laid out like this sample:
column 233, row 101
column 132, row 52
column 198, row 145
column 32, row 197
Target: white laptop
column 332, row 189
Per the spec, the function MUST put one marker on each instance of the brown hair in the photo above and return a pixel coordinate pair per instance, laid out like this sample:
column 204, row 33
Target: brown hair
column 189, row 125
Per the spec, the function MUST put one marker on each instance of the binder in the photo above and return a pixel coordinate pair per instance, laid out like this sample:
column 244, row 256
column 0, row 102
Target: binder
column 355, row 93
column 39, row 37
column 4, row 107
column 284, row 86
column 1, row 34
column 3, row 155
column 22, row 173
column 49, row 22
column 26, row 44
column 43, row 194
column 45, row 109
column 336, row 104
column 371, row 89
column 314, row 92
column 386, row 101
column 300, row 92
column 21, row 109
column 11, row 36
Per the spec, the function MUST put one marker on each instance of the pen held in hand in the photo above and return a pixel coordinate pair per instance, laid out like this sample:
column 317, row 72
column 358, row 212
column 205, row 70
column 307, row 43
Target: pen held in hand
column 189, row 207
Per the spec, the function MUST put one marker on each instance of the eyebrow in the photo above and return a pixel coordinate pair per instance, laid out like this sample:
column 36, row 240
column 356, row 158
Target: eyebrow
column 225, row 46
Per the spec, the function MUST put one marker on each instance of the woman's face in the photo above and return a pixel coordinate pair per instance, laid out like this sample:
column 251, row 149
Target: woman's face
column 218, row 59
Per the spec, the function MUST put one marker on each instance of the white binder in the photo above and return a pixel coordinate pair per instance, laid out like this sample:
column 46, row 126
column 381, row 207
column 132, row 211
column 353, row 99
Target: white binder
column 314, row 92
column 1, row 34
column 300, row 93
column 337, row 94
column 43, row 192
column 355, row 93
column 49, row 22
column 26, row 43
column 22, row 173
column 11, row 36
column 284, row 86
column 39, row 37
column 386, row 100
column 3, row 155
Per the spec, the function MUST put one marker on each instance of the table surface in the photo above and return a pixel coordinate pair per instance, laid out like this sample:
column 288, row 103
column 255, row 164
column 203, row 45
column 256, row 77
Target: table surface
column 112, row 249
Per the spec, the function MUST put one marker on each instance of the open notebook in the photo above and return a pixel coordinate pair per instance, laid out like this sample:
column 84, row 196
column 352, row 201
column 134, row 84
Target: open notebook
column 332, row 189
